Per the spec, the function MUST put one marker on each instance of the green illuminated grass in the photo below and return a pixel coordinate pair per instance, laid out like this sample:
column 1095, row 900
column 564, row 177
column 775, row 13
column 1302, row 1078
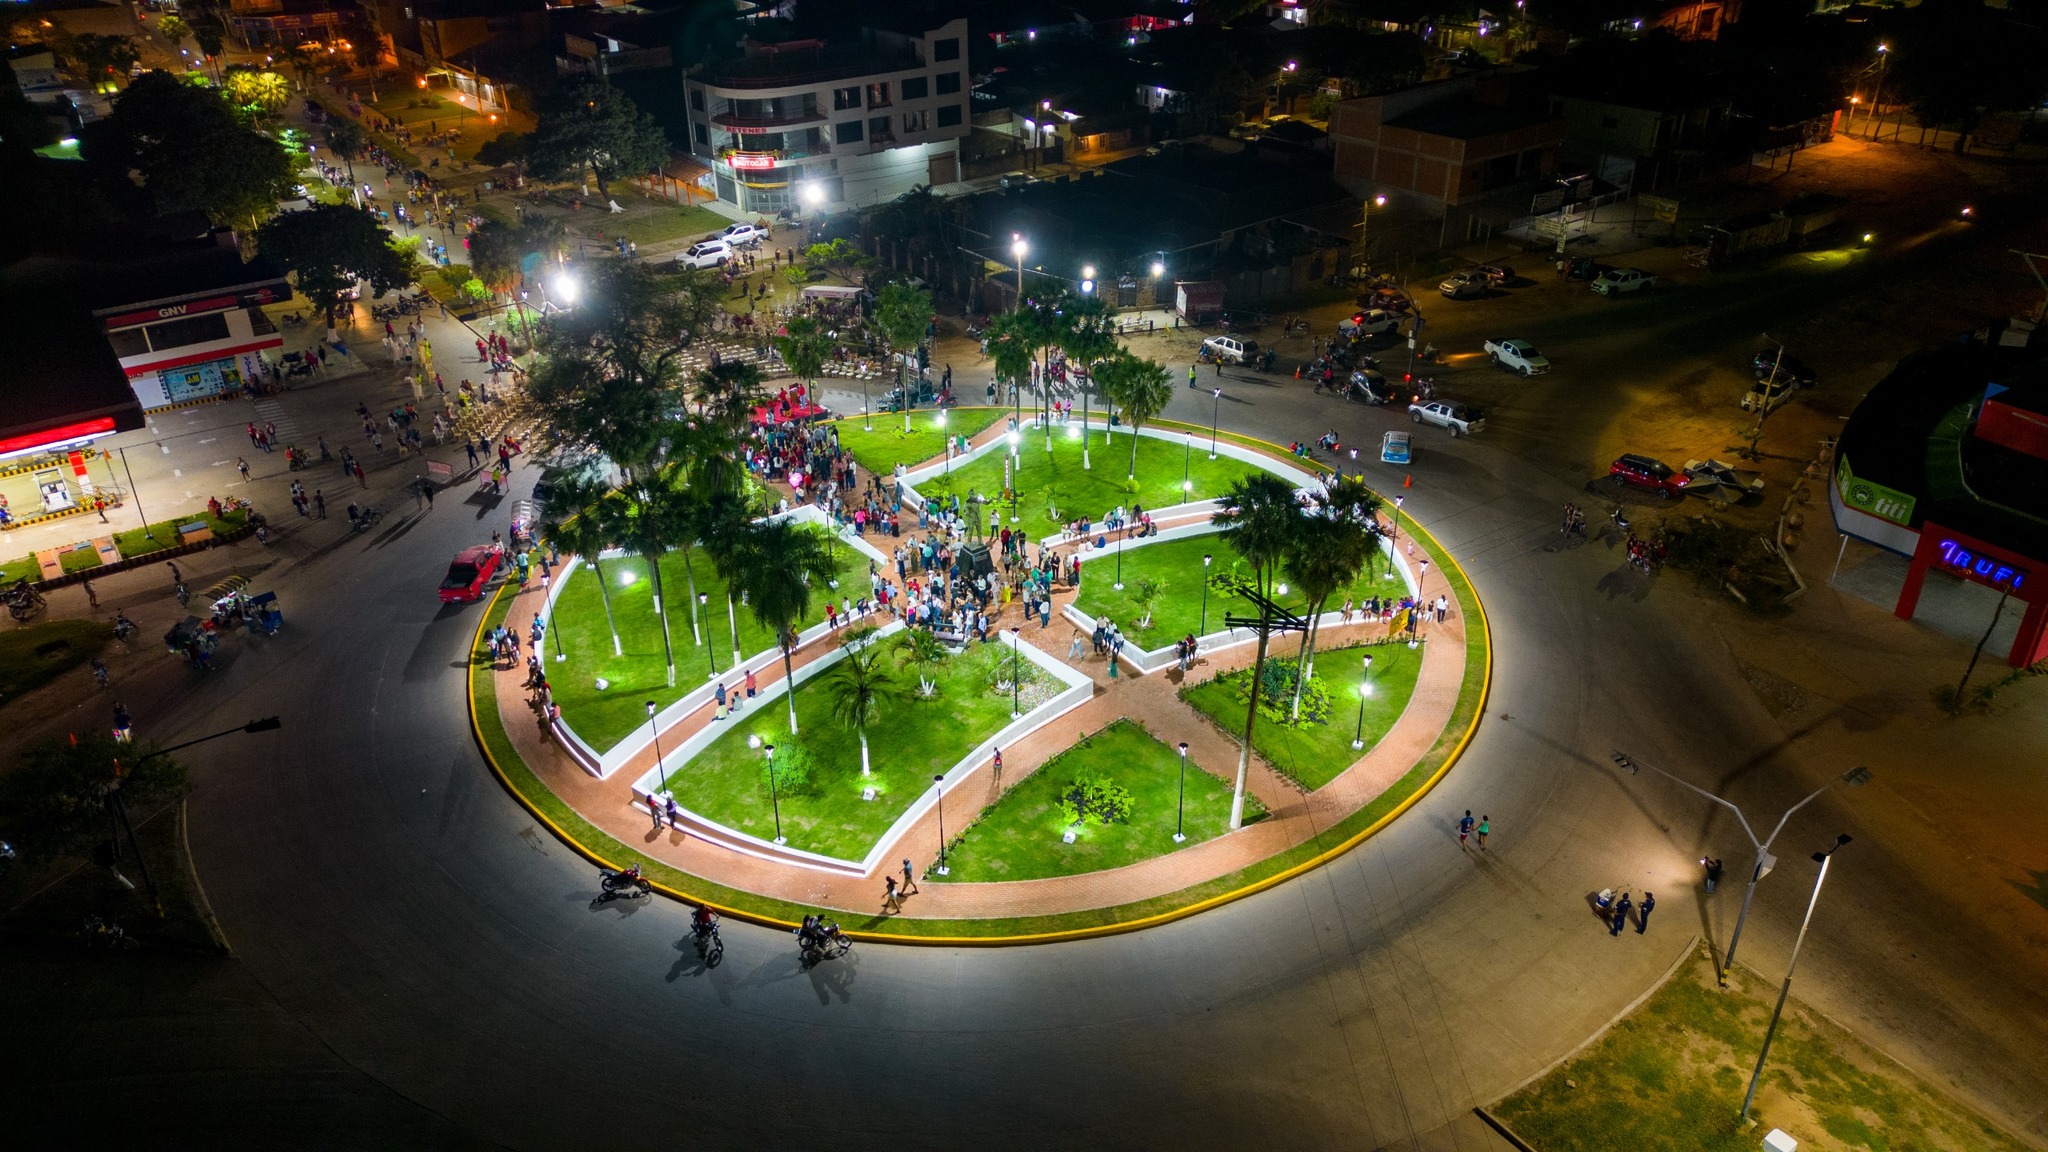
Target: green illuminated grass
column 603, row 717
column 911, row 742
column 1313, row 754
column 1056, row 479
column 1020, row 837
column 1174, row 570
column 889, row 445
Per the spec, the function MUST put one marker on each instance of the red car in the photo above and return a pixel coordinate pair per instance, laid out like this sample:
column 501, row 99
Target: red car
column 472, row 569
column 1643, row 472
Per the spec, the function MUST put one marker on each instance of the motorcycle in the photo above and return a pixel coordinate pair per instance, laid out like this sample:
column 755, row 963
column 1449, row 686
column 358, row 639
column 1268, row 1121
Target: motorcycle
column 23, row 602
column 621, row 885
column 360, row 518
column 1619, row 519
column 123, row 626
column 293, row 320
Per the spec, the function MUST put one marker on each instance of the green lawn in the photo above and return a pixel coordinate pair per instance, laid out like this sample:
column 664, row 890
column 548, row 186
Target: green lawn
column 889, row 445
column 131, row 542
column 1670, row 1077
column 604, row 717
column 1057, row 480
column 655, row 223
column 1174, row 570
column 911, row 742
column 1313, row 754
column 1020, row 837
column 32, row 655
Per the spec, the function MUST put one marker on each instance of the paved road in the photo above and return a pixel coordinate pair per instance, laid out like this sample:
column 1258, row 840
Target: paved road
column 416, row 962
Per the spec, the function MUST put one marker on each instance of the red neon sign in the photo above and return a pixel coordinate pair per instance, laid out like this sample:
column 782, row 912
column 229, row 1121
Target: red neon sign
column 751, row 161
column 99, row 426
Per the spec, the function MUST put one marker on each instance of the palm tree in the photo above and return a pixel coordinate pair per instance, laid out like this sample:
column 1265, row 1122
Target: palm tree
column 1327, row 553
column 858, row 687
column 347, row 140
column 1139, row 387
column 645, row 522
column 1010, row 344
column 727, row 393
column 781, row 566
column 902, row 314
column 1259, row 518
column 719, row 521
column 803, row 346
column 1088, row 336
column 568, row 522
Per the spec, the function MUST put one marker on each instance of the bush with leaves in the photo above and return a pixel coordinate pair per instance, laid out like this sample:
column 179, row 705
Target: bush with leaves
column 1095, row 799
column 55, row 800
column 1276, row 694
column 793, row 766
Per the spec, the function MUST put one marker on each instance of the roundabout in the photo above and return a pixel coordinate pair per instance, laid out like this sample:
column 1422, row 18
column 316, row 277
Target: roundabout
column 1066, row 775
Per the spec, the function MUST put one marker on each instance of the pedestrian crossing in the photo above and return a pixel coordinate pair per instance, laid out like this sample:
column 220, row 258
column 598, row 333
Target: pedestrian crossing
column 272, row 412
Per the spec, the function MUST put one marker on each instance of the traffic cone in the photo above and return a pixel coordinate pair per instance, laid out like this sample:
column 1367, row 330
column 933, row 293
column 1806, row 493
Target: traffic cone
column 1408, row 481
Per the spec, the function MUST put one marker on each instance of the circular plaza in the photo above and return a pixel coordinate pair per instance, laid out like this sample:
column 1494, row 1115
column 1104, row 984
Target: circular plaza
column 1019, row 708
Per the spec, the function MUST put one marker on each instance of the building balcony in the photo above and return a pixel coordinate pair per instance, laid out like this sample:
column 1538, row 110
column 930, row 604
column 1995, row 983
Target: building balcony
column 762, row 123
column 740, row 160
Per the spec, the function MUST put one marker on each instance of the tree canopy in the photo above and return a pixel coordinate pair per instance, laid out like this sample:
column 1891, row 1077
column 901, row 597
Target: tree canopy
column 593, row 127
column 55, row 799
column 191, row 151
column 328, row 248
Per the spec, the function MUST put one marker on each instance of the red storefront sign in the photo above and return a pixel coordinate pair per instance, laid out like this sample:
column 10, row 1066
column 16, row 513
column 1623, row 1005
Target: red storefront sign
column 172, row 311
column 751, row 161
column 98, row 426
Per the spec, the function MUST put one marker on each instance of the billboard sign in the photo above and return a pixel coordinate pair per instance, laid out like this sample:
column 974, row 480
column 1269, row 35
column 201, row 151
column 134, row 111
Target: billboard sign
column 1872, row 498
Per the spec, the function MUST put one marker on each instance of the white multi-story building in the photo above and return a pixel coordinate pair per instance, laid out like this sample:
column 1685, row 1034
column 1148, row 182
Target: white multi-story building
column 861, row 121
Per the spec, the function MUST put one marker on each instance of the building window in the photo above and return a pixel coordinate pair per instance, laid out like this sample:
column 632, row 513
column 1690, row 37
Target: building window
column 845, row 99
column 847, row 133
column 917, row 121
column 916, row 88
column 878, row 130
column 190, row 330
column 878, row 94
column 129, row 342
column 703, row 137
column 697, row 99
column 949, row 116
column 949, row 83
column 947, row 49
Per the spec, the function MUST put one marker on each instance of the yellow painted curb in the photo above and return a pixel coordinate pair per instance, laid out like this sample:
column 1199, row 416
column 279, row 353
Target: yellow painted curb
column 1457, row 752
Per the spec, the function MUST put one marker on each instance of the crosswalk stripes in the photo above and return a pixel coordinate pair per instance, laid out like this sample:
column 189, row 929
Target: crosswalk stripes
column 271, row 412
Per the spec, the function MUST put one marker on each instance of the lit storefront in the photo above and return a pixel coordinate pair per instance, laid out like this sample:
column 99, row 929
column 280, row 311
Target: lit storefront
column 196, row 348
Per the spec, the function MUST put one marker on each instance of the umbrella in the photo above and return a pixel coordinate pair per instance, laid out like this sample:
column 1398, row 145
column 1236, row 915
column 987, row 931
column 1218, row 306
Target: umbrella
column 1721, row 482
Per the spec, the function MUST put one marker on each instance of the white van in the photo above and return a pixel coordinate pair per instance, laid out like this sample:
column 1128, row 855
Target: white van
column 1230, row 349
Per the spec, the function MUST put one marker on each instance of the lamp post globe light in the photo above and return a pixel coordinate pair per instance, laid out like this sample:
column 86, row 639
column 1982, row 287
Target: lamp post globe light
column 1215, row 414
column 1187, row 455
column 1018, row 248
column 1823, row 858
column 774, row 792
column 659, row 772
column 1181, row 808
column 1016, row 671
column 939, row 419
column 1364, row 690
column 1017, row 458
column 1206, row 558
column 1087, row 279
column 939, row 783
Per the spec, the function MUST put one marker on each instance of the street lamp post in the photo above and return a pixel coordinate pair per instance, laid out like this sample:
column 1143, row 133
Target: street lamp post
column 939, row 783
column 1181, row 808
column 1187, row 455
column 654, row 729
column 774, row 792
column 1118, row 583
column 1017, row 249
column 1770, row 1033
column 1854, row 778
column 1215, row 415
column 1206, row 558
column 1016, row 672
column 117, row 808
column 940, row 420
column 1364, row 690
column 1364, row 220
column 1876, row 108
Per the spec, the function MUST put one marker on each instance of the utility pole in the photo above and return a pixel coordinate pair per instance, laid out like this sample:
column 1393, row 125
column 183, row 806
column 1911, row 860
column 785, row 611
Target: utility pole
column 1770, row 1033
column 1271, row 619
column 1763, row 408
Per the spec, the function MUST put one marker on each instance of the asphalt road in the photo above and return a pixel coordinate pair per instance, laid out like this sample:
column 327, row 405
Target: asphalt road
column 416, row 963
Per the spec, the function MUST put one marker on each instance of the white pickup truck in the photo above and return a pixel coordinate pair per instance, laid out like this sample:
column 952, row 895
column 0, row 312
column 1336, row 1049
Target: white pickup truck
column 1449, row 414
column 1519, row 355
column 1620, row 281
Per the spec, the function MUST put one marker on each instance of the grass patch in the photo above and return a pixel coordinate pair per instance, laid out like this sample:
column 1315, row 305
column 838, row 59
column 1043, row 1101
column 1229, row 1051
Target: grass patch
column 1313, row 754
column 1671, row 1077
column 912, row 741
column 1020, row 837
column 1170, row 573
column 656, row 223
column 604, row 717
column 1054, row 489
column 888, row 445
column 131, row 542
column 536, row 796
column 32, row 655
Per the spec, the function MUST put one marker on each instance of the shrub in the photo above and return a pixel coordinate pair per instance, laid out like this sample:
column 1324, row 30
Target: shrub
column 1276, row 694
column 1095, row 799
column 793, row 766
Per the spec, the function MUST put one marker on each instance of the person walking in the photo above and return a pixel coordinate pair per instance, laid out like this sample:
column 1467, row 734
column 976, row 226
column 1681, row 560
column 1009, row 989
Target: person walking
column 909, row 879
column 319, row 504
column 91, row 597
column 242, row 466
column 177, row 577
column 1464, row 827
column 1643, row 913
column 1621, row 907
column 654, row 810
column 751, row 685
column 890, row 901
column 427, row 486
column 1485, row 826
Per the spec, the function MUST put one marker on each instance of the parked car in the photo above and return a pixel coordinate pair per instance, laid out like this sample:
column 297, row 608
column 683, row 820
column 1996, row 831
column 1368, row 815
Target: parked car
column 706, row 254
column 1370, row 322
column 1519, row 355
column 1447, row 414
column 1231, row 349
column 1787, row 365
column 741, row 235
column 1767, row 393
column 1643, row 472
column 1395, row 448
column 1621, row 281
column 1368, row 387
column 1496, row 274
column 1465, row 285
column 473, row 568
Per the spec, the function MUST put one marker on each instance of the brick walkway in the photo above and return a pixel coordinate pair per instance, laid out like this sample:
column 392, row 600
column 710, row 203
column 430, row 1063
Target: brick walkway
column 1151, row 700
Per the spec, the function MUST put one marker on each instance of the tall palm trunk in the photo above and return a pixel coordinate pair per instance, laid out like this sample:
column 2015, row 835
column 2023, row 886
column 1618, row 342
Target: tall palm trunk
column 690, row 575
column 788, row 677
column 661, row 613
column 1304, row 663
column 1134, row 452
column 863, row 733
column 604, row 594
